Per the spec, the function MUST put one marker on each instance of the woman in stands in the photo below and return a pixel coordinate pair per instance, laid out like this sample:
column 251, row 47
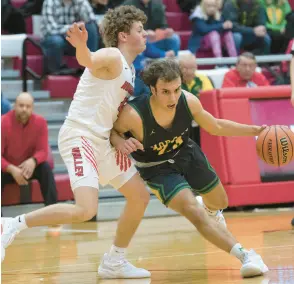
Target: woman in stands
column 210, row 31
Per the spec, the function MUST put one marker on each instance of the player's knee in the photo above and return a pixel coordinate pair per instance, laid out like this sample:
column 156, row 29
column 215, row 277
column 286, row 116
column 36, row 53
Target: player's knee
column 84, row 214
column 221, row 203
column 224, row 202
column 142, row 198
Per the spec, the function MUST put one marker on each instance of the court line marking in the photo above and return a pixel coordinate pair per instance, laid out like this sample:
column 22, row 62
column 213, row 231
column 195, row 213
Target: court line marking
column 138, row 259
column 201, row 253
column 69, row 230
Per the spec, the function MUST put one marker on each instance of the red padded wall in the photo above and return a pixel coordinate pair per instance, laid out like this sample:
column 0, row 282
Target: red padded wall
column 213, row 146
column 242, row 168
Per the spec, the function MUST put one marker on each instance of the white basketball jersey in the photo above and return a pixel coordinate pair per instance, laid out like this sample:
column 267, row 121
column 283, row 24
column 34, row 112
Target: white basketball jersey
column 97, row 103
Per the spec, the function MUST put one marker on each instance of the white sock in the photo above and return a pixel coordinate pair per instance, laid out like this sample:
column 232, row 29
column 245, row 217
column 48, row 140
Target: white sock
column 238, row 251
column 20, row 222
column 117, row 252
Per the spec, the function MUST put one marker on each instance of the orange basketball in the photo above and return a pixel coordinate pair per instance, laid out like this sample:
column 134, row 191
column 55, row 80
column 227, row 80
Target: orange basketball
column 275, row 145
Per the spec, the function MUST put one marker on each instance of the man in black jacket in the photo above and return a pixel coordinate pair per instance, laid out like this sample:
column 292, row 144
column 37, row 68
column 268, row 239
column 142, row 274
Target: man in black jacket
column 155, row 12
column 12, row 19
column 248, row 18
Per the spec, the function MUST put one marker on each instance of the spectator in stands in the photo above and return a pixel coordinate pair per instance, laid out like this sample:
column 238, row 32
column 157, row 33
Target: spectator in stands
column 12, row 20
column 188, row 6
column 151, row 52
column 158, row 31
column 24, row 148
column 249, row 31
column 57, row 16
column 100, row 7
column 276, row 11
column 289, row 30
column 210, row 30
column 5, row 105
column 31, row 7
column 244, row 75
column 193, row 83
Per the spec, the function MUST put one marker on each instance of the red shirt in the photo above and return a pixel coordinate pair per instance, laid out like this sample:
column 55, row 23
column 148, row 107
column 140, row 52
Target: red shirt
column 232, row 79
column 20, row 142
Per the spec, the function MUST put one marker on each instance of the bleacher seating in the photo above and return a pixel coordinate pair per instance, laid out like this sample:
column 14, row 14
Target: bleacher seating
column 12, row 194
column 172, row 6
column 178, row 21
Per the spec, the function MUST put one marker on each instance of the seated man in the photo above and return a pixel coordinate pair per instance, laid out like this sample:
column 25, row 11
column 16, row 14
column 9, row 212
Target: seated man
column 57, row 17
column 249, row 20
column 12, row 20
column 244, row 75
column 100, row 7
column 193, row 83
column 172, row 165
column 24, row 148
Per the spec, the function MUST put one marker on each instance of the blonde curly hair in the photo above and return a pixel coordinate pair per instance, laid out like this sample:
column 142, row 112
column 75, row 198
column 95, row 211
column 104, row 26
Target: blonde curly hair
column 119, row 20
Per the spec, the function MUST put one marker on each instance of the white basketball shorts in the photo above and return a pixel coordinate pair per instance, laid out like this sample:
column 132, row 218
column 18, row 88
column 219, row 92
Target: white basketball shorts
column 91, row 160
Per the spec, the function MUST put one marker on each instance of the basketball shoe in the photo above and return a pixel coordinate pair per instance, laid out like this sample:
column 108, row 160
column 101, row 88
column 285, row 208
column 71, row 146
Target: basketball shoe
column 119, row 267
column 8, row 233
column 217, row 216
column 252, row 264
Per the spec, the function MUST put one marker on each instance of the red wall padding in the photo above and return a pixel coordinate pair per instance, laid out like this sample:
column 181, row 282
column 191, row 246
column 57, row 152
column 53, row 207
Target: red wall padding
column 235, row 158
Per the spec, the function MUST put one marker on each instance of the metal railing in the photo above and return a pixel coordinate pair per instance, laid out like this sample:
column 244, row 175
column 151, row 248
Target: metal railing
column 233, row 60
column 25, row 68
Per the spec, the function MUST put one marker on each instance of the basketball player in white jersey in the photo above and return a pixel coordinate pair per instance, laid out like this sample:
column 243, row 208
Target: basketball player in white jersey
column 84, row 145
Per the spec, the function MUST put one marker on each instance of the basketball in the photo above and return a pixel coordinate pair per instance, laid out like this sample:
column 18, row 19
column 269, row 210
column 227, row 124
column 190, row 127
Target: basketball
column 275, row 145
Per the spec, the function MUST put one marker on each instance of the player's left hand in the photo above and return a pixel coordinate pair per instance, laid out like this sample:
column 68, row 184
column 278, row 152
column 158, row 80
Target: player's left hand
column 77, row 35
column 123, row 161
column 28, row 167
column 128, row 146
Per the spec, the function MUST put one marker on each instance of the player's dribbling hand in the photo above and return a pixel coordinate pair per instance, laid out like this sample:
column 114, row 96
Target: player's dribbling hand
column 77, row 35
column 261, row 128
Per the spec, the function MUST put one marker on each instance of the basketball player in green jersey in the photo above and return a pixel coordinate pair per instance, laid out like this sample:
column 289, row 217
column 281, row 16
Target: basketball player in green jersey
column 173, row 166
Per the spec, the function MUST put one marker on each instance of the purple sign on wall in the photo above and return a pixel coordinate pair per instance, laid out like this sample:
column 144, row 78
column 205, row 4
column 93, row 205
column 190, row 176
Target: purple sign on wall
column 274, row 112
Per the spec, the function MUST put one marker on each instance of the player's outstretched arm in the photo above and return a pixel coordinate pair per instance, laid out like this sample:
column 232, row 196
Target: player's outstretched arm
column 109, row 58
column 219, row 127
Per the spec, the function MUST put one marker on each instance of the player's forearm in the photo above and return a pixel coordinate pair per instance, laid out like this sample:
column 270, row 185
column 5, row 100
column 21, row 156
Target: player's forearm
column 115, row 138
column 231, row 128
column 84, row 56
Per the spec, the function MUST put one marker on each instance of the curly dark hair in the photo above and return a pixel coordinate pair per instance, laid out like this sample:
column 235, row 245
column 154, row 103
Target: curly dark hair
column 166, row 69
column 119, row 20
